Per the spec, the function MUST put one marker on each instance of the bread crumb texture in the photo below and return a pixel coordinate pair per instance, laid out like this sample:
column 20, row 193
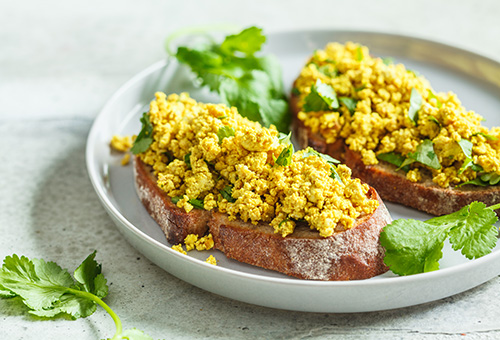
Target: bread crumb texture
column 380, row 122
column 208, row 156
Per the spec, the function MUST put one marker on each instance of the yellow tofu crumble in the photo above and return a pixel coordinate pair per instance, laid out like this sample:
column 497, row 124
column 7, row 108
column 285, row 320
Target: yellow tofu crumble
column 208, row 156
column 380, row 122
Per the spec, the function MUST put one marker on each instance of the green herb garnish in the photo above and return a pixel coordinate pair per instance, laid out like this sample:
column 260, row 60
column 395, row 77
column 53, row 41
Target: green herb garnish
column 48, row 290
column 224, row 132
column 433, row 96
column 434, row 120
column 322, row 97
column 359, row 54
column 187, row 160
column 424, row 154
column 249, row 82
column 330, row 160
column 488, row 137
column 193, row 201
column 413, row 246
column 349, row 103
column 416, row 101
column 285, row 157
column 284, row 138
column 145, row 137
column 227, row 193
column 394, row 159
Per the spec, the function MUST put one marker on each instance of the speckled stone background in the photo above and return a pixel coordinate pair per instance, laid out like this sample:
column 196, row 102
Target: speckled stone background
column 59, row 63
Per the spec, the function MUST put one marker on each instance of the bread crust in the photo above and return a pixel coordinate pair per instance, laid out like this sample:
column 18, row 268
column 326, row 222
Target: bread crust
column 353, row 254
column 175, row 222
column 392, row 185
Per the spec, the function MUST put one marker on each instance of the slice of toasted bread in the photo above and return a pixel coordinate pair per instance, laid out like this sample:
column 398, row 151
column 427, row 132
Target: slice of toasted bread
column 174, row 221
column 353, row 254
column 392, row 185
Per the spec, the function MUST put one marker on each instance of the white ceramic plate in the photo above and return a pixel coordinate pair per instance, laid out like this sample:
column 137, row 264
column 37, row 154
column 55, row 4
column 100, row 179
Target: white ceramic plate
column 474, row 78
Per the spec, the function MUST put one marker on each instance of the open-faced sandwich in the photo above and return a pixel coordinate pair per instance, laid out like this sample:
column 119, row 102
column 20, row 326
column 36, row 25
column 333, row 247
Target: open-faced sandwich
column 202, row 169
column 414, row 146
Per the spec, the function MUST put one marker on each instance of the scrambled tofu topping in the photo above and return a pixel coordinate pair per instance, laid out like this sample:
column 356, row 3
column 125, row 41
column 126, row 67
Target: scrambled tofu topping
column 208, row 156
column 387, row 109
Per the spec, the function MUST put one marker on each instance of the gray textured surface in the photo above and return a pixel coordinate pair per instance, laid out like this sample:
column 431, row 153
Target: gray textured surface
column 60, row 61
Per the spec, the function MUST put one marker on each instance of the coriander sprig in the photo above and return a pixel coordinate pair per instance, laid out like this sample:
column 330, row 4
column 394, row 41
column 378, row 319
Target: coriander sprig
column 413, row 246
column 48, row 290
column 242, row 78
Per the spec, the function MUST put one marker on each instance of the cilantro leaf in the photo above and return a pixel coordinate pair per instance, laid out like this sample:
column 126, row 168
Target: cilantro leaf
column 416, row 101
column 424, row 154
column 48, row 290
column 187, row 159
column 248, row 41
column 88, row 274
column 392, row 158
column 285, row 157
column 349, row 103
column 330, row 160
column 251, row 83
column 227, row 192
column 466, row 147
column 359, row 54
column 433, row 96
column 40, row 284
column 145, row 137
column 224, row 132
column 412, row 246
column 284, row 138
column 488, row 137
column 474, row 232
column 415, row 246
column 311, row 152
column 196, row 203
column 322, row 97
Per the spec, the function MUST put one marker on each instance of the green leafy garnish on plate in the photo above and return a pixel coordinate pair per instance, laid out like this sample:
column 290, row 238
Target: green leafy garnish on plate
column 322, row 97
column 413, row 246
column 145, row 137
column 227, row 192
column 329, row 159
column 243, row 79
column 285, row 157
column 224, row 132
column 49, row 291
column 416, row 101
column 424, row 154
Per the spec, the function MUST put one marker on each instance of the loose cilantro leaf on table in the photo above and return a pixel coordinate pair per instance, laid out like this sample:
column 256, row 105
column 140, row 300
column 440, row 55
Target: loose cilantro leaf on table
column 413, row 246
column 322, row 97
column 416, row 101
column 48, row 290
column 249, row 82
column 145, row 137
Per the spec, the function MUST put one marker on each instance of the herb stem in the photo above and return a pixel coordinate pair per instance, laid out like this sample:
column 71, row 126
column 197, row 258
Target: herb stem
column 116, row 319
column 195, row 30
column 494, row 207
